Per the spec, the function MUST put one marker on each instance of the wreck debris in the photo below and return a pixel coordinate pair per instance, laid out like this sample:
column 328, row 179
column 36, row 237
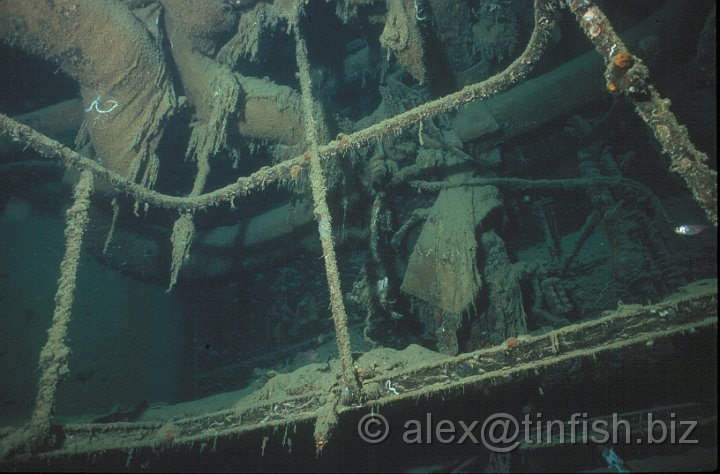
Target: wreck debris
column 54, row 356
column 401, row 36
column 319, row 188
column 206, row 140
column 252, row 25
column 258, row 180
column 506, row 314
column 442, row 269
column 686, row 160
column 692, row 311
column 132, row 73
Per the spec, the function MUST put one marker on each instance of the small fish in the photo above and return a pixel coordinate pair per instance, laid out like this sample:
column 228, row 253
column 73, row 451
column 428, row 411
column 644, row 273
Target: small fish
column 691, row 229
column 309, row 356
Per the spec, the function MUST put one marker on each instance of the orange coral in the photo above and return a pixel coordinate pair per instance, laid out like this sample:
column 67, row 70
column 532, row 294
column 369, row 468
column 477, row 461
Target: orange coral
column 612, row 87
column 623, row 60
column 295, row 171
column 511, row 342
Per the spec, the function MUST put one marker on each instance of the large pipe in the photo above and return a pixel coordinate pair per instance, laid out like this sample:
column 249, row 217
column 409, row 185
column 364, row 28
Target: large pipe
column 126, row 92
column 565, row 89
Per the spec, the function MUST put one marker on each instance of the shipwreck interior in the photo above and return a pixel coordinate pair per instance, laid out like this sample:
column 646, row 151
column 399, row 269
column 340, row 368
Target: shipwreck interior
column 231, row 230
